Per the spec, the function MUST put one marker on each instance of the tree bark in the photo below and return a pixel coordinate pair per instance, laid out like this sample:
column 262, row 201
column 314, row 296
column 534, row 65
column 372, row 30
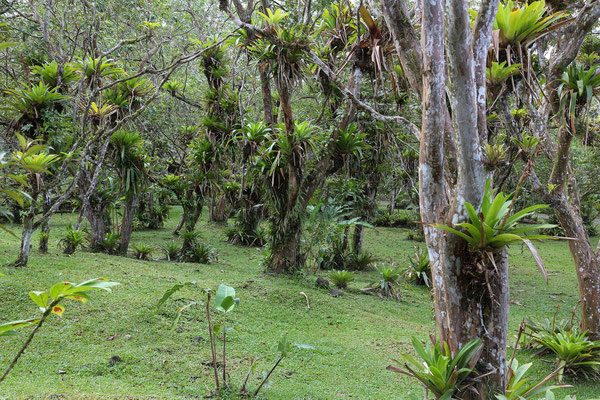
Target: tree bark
column 96, row 217
column 45, row 227
column 471, row 295
column 127, row 223
column 26, row 239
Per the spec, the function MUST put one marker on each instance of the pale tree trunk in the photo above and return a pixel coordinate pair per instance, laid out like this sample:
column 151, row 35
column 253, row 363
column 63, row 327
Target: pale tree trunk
column 45, row 227
column 127, row 223
column 28, row 226
column 471, row 290
column 26, row 239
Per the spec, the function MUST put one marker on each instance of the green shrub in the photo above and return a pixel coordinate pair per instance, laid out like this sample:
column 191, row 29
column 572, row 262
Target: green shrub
column 332, row 256
column 72, row 240
column 201, row 252
column 110, row 242
column 441, row 373
column 419, row 269
column 342, row 278
column 361, row 261
column 397, row 219
column 143, row 251
column 239, row 234
column 578, row 355
column 172, row 250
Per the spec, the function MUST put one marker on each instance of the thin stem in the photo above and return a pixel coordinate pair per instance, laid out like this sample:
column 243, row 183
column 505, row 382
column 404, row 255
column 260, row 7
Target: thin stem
column 212, row 340
column 243, row 390
column 224, row 361
column 268, row 375
column 30, row 338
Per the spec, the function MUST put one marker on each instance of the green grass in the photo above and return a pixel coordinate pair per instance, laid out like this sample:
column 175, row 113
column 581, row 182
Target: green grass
column 357, row 334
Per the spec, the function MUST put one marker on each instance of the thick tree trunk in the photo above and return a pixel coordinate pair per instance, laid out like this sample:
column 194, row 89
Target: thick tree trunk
column 267, row 99
column 286, row 256
column 96, row 217
column 471, row 291
column 127, row 223
column 218, row 209
column 475, row 290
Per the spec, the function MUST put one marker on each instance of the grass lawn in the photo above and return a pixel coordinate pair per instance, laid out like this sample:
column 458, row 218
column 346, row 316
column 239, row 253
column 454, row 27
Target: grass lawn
column 357, row 334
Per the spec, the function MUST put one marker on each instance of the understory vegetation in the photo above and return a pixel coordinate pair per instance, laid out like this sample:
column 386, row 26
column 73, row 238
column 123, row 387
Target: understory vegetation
column 122, row 345
column 300, row 199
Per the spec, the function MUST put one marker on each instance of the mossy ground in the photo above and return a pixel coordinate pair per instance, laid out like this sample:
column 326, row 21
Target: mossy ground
column 357, row 334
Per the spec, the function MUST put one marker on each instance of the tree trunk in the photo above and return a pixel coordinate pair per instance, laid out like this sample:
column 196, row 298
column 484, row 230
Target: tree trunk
column 266, row 94
column 127, row 223
column 471, row 294
column 476, row 304
column 96, row 217
column 357, row 238
column 26, row 239
column 586, row 264
column 45, row 228
column 180, row 223
column 218, row 208
column 286, row 256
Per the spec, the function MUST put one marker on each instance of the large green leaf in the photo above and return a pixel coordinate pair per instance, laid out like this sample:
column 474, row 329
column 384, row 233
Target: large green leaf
column 284, row 346
column 92, row 284
column 8, row 328
column 173, row 290
column 225, row 299
column 40, row 299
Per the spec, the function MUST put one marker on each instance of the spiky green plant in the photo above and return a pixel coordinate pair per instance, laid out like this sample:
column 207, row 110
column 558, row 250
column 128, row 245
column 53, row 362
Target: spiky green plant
column 172, row 250
column 527, row 143
column 524, row 23
column 438, row 370
column 495, row 154
column 51, row 73
column 419, row 269
column 499, row 72
column 576, row 354
column 492, row 227
column 72, row 240
column 389, row 276
column 578, row 86
column 28, row 102
column 342, row 278
column 98, row 67
column 273, row 19
column 518, row 387
column 143, row 251
column 351, row 142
